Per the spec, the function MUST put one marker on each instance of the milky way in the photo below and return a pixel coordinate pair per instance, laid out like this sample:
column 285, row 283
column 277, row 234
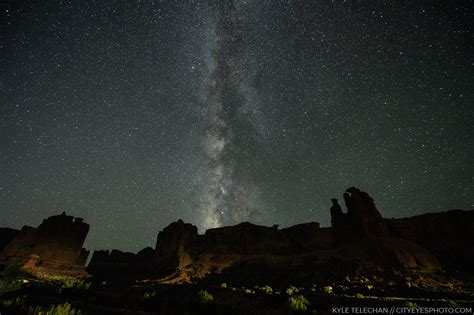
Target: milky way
column 227, row 198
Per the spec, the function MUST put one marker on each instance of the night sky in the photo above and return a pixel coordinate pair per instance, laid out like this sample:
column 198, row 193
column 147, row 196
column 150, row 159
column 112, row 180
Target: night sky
column 133, row 114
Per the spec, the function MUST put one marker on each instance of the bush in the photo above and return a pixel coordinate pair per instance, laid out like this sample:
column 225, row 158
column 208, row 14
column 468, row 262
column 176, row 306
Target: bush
column 328, row 289
column 74, row 284
column 205, row 297
column 10, row 281
column 298, row 303
column 149, row 295
column 410, row 304
column 16, row 302
column 292, row 290
column 60, row 309
column 12, row 272
column 9, row 286
column 267, row 289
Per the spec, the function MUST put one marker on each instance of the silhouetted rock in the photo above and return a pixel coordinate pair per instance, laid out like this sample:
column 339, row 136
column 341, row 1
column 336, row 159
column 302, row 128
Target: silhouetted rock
column 363, row 217
column 55, row 245
column 357, row 238
column 449, row 235
column 116, row 263
column 6, row 235
column 360, row 235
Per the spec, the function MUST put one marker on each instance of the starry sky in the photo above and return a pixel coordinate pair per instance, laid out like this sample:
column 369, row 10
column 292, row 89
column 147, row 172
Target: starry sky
column 133, row 114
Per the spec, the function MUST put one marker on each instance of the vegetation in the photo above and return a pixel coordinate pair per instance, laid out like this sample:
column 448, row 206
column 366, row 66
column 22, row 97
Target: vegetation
column 10, row 278
column 292, row 290
column 267, row 289
column 9, row 286
column 359, row 296
column 223, row 285
column 298, row 303
column 328, row 289
column 205, row 297
column 74, row 284
column 16, row 302
column 149, row 295
column 410, row 304
column 60, row 309
column 12, row 272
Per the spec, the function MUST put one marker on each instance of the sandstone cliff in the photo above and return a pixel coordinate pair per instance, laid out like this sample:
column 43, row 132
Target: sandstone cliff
column 55, row 245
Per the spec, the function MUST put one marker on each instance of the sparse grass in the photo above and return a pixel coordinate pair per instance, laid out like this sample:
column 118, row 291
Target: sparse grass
column 298, row 303
column 74, row 284
column 205, row 297
column 16, row 302
column 452, row 303
column 410, row 304
column 60, row 309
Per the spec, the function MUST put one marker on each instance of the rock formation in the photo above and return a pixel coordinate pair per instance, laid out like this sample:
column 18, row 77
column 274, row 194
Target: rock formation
column 359, row 237
column 55, row 245
column 449, row 235
column 363, row 219
column 6, row 235
column 110, row 264
column 176, row 246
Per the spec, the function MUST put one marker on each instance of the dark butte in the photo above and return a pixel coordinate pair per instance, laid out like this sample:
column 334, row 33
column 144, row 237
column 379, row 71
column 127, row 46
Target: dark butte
column 359, row 237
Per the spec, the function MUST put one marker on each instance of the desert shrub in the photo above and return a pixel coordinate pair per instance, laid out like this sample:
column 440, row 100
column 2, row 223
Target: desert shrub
column 149, row 295
column 9, row 286
column 60, row 309
column 12, row 272
column 327, row 289
column 74, row 284
column 410, row 304
column 292, row 290
column 9, row 281
column 267, row 289
column 205, row 297
column 298, row 303
column 18, row 301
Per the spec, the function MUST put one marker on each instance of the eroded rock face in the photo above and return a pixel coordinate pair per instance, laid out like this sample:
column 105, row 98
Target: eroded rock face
column 359, row 235
column 56, row 242
column 363, row 217
column 176, row 246
column 362, row 228
column 449, row 235
column 106, row 263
